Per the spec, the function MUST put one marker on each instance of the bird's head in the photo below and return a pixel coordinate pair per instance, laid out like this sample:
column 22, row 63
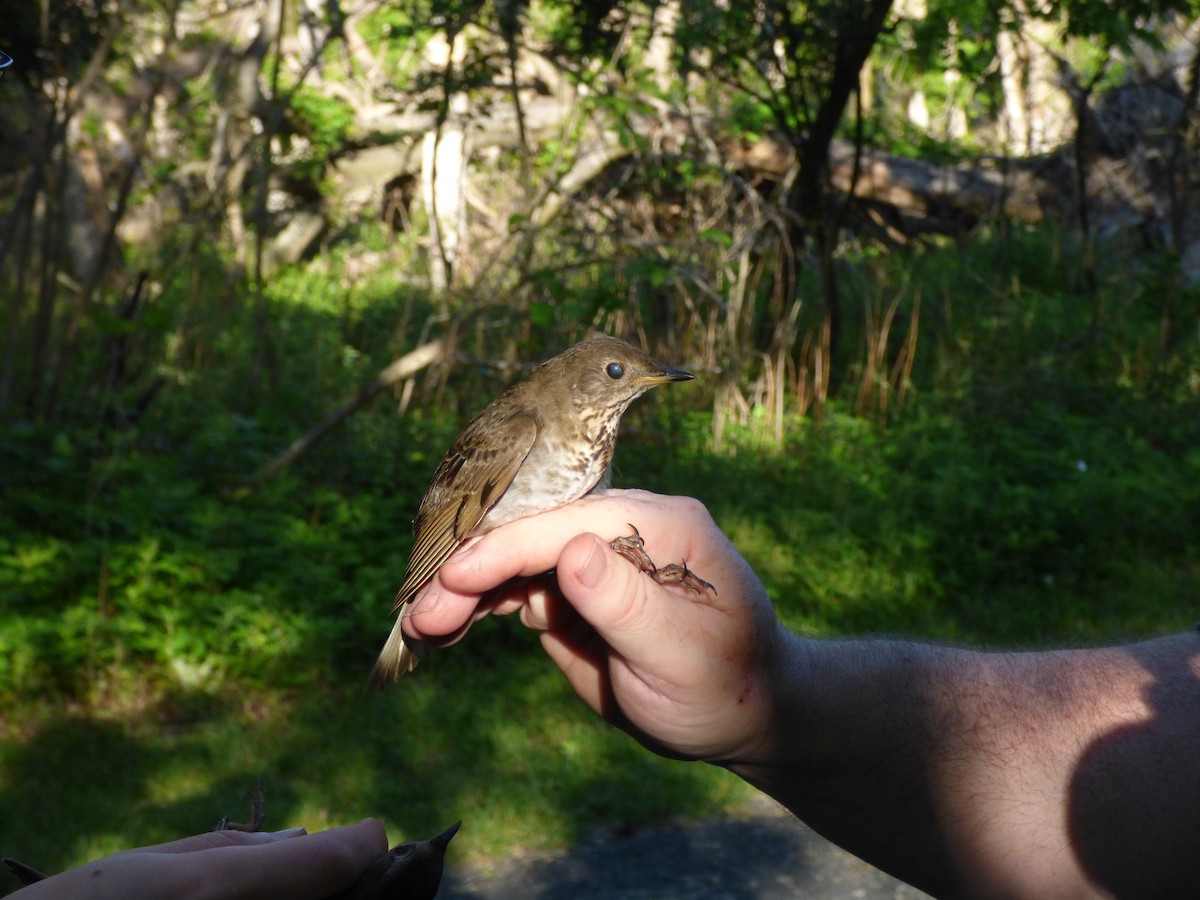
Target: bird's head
column 607, row 372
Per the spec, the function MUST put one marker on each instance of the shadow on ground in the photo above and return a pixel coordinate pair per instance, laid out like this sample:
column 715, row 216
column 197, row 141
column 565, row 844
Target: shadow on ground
column 764, row 855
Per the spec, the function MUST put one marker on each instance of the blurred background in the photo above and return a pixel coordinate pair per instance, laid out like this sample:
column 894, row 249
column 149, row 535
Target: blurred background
column 934, row 264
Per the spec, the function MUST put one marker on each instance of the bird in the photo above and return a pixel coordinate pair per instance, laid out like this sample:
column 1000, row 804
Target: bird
column 409, row 871
column 25, row 874
column 543, row 443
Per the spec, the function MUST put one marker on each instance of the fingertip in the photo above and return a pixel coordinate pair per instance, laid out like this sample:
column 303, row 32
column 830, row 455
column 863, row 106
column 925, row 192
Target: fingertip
column 440, row 612
column 584, row 562
column 592, row 570
column 374, row 832
column 464, row 555
column 426, row 600
column 354, row 846
column 588, row 570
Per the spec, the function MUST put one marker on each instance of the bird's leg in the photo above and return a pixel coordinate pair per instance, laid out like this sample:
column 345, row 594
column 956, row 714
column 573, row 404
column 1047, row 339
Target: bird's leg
column 633, row 548
column 258, row 813
column 679, row 573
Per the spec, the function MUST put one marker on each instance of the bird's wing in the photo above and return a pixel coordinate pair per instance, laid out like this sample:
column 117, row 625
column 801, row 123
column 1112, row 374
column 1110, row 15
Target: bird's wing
column 469, row 481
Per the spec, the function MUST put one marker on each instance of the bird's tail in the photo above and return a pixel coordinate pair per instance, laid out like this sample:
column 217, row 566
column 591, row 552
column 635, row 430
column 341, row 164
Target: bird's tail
column 397, row 658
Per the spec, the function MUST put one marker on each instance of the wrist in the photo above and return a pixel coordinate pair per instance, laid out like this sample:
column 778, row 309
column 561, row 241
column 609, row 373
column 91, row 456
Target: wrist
column 774, row 723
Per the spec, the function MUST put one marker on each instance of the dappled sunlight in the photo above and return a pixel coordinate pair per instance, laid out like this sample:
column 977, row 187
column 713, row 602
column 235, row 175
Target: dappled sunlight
column 237, row 632
column 257, row 271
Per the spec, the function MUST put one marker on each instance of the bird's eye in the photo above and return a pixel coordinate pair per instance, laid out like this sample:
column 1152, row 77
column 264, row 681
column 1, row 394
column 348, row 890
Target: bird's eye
column 615, row 371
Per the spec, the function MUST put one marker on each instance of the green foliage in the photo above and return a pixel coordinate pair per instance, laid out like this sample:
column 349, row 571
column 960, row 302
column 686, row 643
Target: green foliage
column 581, row 30
column 324, row 122
column 397, row 24
column 1046, row 526
column 169, row 631
column 749, row 118
column 1118, row 23
column 189, row 633
column 782, row 57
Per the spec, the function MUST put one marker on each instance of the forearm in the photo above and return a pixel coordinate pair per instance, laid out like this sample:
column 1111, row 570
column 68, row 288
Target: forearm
column 974, row 773
column 1040, row 774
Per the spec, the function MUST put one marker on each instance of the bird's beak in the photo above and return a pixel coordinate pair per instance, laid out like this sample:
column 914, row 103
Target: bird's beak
column 668, row 375
column 444, row 838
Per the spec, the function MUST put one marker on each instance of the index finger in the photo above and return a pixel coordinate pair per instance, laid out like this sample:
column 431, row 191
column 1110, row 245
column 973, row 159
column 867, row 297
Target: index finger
column 211, row 840
column 532, row 546
column 312, row 866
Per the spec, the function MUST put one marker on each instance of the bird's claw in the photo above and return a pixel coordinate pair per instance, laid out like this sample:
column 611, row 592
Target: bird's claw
column 681, row 574
column 633, row 548
column 258, row 813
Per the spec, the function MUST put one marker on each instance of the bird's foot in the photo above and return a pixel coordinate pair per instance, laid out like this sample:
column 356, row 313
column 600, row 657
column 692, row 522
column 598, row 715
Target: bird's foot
column 258, row 813
column 679, row 573
column 633, row 548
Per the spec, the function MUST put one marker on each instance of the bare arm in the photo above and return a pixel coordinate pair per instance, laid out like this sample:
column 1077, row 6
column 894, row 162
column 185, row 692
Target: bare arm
column 1026, row 774
column 1064, row 773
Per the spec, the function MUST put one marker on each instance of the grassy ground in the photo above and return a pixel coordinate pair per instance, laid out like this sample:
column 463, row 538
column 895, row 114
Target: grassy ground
column 166, row 634
column 231, row 634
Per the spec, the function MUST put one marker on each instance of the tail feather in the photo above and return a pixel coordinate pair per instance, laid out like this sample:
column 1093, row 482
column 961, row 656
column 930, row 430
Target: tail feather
column 397, row 658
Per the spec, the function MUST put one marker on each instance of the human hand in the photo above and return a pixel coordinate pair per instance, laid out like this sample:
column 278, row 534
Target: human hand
column 227, row 865
column 687, row 673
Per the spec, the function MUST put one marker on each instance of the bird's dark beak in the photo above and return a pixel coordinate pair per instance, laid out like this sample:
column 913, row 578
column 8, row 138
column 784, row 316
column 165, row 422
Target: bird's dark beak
column 444, row 838
column 668, row 375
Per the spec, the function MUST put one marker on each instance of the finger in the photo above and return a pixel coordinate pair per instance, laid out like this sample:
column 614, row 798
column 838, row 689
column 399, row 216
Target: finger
column 594, row 669
column 545, row 608
column 440, row 614
column 312, row 866
column 570, row 642
column 531, row 546
column 583, row 657
column 212, row 839
column 631, row 612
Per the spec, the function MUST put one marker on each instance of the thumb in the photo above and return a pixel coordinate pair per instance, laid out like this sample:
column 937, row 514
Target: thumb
column 613, row 596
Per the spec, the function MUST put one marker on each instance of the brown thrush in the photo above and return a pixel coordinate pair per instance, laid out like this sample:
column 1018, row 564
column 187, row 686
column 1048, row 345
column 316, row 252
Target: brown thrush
column 541, row 444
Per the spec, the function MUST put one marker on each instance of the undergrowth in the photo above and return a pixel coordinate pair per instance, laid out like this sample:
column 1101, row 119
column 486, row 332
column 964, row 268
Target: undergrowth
column 170, row 630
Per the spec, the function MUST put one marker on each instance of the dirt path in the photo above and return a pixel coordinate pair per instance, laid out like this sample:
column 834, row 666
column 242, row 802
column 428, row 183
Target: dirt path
column 763, row 854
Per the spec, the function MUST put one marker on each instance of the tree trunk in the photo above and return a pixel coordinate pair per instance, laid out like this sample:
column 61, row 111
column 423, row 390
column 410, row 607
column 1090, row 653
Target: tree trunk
column 1037, row 113
column 443, row 168
column 855, row 38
